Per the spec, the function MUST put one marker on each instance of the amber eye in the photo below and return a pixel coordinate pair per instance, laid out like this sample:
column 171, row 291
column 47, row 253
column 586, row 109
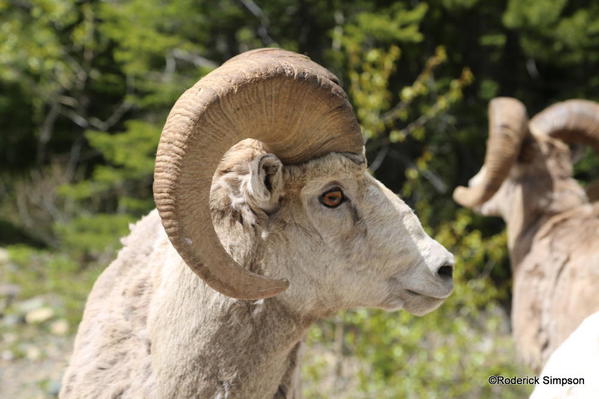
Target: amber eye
column 332, row 198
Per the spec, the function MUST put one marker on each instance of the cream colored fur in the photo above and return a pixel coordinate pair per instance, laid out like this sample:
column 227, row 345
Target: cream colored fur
column 153, row 329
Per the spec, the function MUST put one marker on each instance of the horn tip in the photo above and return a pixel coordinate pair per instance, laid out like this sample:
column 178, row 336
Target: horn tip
column 466, row 197
column 276, row 287
column 270, row 288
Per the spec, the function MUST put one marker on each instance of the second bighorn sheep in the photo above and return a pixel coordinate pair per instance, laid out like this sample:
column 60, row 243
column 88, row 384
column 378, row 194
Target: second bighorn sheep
column 252, row 242
column 552, row 226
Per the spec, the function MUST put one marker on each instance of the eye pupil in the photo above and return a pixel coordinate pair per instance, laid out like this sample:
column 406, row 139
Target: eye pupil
column 332, row 198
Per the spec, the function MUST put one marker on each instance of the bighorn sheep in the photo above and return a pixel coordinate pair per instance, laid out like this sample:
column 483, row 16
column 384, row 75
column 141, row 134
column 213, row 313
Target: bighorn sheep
column 551, row 224
column 283, row 230
column 572, row 371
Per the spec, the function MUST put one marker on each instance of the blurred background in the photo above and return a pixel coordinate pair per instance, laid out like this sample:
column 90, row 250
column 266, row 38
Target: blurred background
column 85, row 86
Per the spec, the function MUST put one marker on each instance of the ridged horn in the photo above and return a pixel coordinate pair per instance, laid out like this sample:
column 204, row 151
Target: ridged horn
column 507, row 128
column 285, row 100
column 572, row 121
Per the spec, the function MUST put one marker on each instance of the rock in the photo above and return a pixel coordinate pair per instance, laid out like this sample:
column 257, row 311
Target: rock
column 40, row 315
column 9, row 290
column 9, row 337
column 11, row 320
column 7, row 355
column 59, row 327
column 53, row 387
column 30, row 304
column 8, row 293
column 32, row 352
column 4, row 258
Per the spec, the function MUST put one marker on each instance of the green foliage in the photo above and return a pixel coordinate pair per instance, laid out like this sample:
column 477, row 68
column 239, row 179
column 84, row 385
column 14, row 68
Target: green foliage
column 132, row 149
column 392, row 25
column 58, row 277
column 368, row 86
column 125, row 178
column 535, row 13
column 155, row 45
column 94, row 234
column 31, row 47
column 553, row 31
column 465, row 4
column 130, row 162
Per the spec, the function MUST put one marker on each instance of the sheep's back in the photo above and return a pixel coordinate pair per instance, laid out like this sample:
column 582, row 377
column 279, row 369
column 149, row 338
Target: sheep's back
column 111, row 354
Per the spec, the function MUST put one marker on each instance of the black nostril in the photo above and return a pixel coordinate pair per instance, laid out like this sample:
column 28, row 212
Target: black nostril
column 445, row 271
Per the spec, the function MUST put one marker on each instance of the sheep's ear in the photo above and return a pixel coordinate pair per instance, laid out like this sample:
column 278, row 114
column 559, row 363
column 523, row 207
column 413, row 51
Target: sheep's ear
column 266, row 181
column 528, row 150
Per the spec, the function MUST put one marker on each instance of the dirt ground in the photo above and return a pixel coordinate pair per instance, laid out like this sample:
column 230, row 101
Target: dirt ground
column 37, row 375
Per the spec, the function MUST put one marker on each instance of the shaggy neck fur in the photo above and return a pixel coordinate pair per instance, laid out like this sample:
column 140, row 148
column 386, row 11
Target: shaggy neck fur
column 251, row 347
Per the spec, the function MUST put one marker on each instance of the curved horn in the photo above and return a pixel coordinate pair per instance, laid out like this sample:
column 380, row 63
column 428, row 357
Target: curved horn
column 291, row 104
column 507, row 129
column 572, row 121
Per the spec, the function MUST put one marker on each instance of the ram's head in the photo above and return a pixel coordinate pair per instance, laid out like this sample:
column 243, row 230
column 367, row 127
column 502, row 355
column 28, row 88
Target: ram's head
column 328, row 235
column 527, row 172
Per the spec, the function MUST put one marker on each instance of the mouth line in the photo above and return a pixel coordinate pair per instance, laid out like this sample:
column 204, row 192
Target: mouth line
column 412, row 292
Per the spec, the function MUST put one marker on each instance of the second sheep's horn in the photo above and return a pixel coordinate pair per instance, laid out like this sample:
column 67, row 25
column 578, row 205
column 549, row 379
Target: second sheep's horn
column 572, row 121
column 507, row 128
